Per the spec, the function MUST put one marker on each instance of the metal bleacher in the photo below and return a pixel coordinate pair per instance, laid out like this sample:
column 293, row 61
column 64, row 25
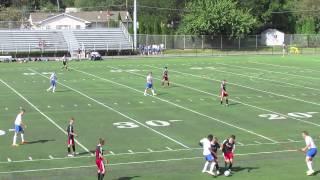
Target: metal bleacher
column 64, row 40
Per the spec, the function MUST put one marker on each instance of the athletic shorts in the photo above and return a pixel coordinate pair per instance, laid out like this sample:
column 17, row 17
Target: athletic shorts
column 312, row 152
column 224, row 94
column 228, row 155
column 70, row 141
column 149, row 85
column 18, row 128
column 209, row 157
column 53, row 83
column 100, row 166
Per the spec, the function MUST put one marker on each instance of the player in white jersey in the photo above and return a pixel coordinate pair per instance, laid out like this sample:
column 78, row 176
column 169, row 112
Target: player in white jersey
column 53, row 82
column 205, row 143
column 149, row 84
column 18, row 127
column 311, row 150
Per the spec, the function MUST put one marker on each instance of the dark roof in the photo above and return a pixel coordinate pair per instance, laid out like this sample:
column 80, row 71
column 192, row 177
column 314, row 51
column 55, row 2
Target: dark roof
column 91, row 16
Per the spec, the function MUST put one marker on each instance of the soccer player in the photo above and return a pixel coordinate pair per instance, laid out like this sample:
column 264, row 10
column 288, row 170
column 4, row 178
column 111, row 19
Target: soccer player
column 149, row 84
column 100, row 160
column 165, row 76
column 224, row 94
column 205, row 143
column 215, row 146
column 311, row 150
column 71, row 136
column 53, row 82
column 18, row 126
column 64, row 62
column 228, row 147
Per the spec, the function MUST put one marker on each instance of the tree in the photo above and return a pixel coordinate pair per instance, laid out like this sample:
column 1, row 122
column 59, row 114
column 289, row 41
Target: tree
column 216, row 17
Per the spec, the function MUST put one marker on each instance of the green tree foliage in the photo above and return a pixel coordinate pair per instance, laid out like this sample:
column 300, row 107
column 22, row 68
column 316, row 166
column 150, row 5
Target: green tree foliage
column 215, row 17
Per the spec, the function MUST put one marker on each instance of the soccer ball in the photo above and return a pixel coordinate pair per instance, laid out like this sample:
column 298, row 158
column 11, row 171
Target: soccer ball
column 227, row 173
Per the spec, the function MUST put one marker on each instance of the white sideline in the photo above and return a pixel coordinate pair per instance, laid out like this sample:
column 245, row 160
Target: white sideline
column 278, row 82
column 43, row 114
column 256, row 107
column 247, row 87
column 118, row 112
column 168, row 149
column 137, row 162
column 177, row 105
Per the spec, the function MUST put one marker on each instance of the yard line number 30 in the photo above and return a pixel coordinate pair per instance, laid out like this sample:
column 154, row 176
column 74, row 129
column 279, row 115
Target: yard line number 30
column 305, row 115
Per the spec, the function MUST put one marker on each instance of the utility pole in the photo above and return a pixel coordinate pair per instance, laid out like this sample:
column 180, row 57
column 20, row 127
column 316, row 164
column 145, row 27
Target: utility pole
column 135, row 24
column 58, row 4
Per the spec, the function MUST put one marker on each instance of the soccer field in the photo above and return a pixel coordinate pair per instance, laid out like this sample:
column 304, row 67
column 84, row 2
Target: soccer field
column 272, row 99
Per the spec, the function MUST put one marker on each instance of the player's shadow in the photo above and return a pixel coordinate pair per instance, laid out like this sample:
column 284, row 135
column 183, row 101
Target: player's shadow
column 233, row 104
column 40, row 141
column 316, row 173
column 64, row 90
column 128, row 178
column 248, row 169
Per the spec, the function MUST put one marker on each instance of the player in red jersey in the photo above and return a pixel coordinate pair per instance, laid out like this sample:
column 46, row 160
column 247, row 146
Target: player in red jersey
column 224, row 93
column 165, row 76
column 71, row 136
column 100, row 159
column 228, row 148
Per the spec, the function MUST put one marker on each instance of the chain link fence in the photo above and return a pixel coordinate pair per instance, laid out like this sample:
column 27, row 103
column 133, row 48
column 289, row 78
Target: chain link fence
column 254, row 44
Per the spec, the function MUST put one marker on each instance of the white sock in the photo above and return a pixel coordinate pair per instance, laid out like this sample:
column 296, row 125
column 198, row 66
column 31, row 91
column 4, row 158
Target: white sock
column 309, row 164
column 145, row 92
column 213, row 164
column 205, row 166
column 14, row 138
column 53, row 89
column 22, row 137
column 152, row 91
column 49, row 88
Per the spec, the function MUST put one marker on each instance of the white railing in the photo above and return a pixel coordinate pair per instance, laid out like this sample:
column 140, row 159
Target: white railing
column 125, row 31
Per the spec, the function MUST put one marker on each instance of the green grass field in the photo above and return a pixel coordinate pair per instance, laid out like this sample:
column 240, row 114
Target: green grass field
column 272, row 100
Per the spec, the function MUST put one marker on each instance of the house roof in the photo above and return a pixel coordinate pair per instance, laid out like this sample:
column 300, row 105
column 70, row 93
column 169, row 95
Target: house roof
column 90, row 16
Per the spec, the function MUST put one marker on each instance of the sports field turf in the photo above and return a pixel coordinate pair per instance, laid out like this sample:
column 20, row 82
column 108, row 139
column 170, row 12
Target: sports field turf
column 272, row 99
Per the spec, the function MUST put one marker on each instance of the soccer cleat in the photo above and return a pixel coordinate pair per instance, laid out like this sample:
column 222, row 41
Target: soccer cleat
column 24, row 142
column 310, row 172
column 15, row 145
column 203, row 171
column 211, row 173
column 70, row 155
column 154, row 94
column 145, row 94
column 218, row 172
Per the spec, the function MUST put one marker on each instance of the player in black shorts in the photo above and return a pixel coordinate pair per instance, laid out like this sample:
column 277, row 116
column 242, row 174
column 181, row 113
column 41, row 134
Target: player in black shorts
column 65, row 62
column 215, row 146
column 71, row 135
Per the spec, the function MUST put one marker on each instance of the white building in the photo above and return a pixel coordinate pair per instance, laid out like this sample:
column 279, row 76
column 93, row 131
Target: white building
column 272, row 37
column 77, row 20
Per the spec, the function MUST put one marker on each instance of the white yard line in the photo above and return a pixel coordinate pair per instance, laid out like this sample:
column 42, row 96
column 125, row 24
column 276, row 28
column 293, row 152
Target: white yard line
column 276, row 65
column 249, row 105
column 247, row 87
column 137, row 162
column 180, row 106
column 43, row 114
column 118, row 112
column 275, row 72
column 264, row 79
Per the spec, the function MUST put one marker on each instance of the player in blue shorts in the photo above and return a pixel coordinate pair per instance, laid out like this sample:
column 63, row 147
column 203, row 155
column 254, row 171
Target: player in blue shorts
column 18, row 127
column 205, row 143
column 311, row 150
column 53, row 82
column 149, row 84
